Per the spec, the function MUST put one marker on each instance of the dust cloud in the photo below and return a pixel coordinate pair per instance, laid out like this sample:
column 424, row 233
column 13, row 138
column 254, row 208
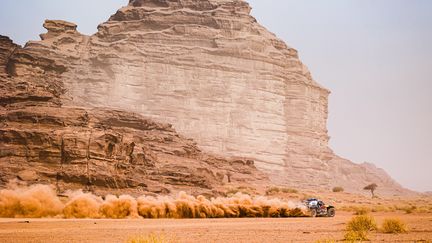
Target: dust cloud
column 40, row 201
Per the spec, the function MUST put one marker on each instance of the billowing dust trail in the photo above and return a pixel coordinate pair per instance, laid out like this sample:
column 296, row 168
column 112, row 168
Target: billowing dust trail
column 41, row 201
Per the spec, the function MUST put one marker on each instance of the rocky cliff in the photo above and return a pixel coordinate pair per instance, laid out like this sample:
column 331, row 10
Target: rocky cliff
column 205, row 66
column 99, row 150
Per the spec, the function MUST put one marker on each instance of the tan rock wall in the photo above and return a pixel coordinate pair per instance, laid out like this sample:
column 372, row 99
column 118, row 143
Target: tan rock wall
column 208, row 68
column 214, row 73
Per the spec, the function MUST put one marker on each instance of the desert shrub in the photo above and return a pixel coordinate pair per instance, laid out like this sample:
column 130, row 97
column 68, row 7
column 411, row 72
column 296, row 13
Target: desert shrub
column 362, row 223
column 411, row 209
column 346, row 208
column 356, row 236
column 325, row 241
column 272, row 190
column 276, row 190
column 358, row 228
column 361, row 211
column 381, row 208
column 393, row 226
column 151, row 238
column 289, row 190
column 338, row 189
column 424, row 209
column 406, row 209
column 241, row 189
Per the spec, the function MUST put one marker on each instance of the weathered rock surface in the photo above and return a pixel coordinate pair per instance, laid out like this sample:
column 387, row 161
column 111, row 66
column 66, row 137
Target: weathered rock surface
column 208, row 68
column 104, row 150
column 101, row 150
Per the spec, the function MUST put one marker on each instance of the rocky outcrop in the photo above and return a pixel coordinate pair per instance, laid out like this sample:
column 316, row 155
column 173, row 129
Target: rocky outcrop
column 57, row 27
column 105, row 151
column 7, row 48
column 100, row 150
column 212, row 71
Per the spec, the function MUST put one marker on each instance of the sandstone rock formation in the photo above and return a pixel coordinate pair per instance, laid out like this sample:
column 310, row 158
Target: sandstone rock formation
column 205, row 66
column 100, row 150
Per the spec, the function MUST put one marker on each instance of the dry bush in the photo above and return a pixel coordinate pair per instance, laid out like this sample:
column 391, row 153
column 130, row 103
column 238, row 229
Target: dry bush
column 423, row 209
column 272, row 191
column 338, row 189
column 356, row 236
column 325, row 241
column 241, row 189
column 393, row 226
column 358, row 210
column 381, row 208
column 406, row 208
column 362, row 223
column 276, row 190
column 151, row 238
column 361, row 211
column 289, row 190
column 358, row 228
column 347, row 208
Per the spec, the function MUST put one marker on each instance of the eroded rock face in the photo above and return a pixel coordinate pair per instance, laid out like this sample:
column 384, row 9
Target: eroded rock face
column 100, row 150
column 58, row 27
column 212, row 71
column 105, row 151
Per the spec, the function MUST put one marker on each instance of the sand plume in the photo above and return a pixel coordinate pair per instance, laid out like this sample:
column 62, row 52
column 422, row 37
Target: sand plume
column 82, row 205
column 31, row 202
column 119, row 207
column 239, row 205
column 41, row 201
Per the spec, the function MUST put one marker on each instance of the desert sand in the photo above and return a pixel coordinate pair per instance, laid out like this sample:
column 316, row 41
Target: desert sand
column 207, row 230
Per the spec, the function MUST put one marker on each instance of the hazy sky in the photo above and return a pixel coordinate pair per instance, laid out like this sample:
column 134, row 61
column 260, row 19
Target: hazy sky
column 375, row 57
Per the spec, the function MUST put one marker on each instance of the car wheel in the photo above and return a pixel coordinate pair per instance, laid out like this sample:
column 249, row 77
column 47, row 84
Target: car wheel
column 313, row 213
column 331, row 212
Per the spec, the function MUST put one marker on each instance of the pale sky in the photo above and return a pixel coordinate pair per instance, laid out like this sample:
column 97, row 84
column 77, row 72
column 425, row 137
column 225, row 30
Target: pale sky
column 374, row 55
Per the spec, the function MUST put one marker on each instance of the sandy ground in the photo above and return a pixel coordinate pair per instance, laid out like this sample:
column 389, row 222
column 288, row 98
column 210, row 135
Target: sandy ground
column 206, row 230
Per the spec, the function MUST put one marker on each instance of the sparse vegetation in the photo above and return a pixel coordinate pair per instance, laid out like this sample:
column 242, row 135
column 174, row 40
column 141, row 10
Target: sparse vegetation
column 326, row 241
column 241, row 189
column 393, row 226
column 408, row 209
column 372, row 187
column 362, row 223
column 381, row 208
column 289, row 190
column 358, row 228
column 151, row 238
column 355, row 236
column 276, row 190
column 362, row 211
column 338, row 189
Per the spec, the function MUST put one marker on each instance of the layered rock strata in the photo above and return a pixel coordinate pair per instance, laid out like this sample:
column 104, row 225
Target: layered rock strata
column 100, row 150
column 208, row 68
